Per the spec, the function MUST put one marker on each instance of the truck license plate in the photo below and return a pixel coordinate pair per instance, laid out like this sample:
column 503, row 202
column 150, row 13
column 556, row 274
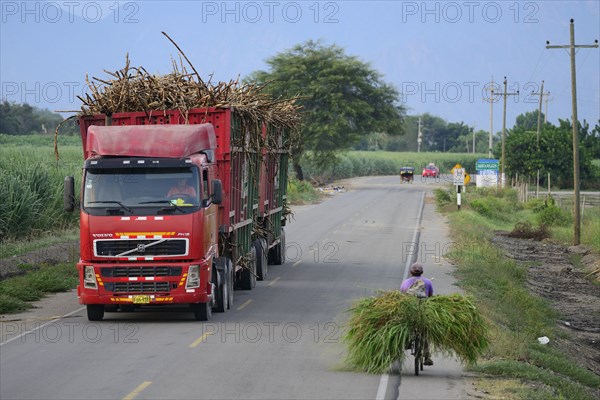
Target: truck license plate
column 141, row 299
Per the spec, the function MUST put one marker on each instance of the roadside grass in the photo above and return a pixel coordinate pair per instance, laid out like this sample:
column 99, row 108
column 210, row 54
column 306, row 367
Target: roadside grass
column 590, row 230
column 14, row 247
column 498, row 285
column 301, row 192
column 17, row 293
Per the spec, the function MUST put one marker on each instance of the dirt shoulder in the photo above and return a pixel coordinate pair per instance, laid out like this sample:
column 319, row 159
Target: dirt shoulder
column 564, row 277
column 56, row 253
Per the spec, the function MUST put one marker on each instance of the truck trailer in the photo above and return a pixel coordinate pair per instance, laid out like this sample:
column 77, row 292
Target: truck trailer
column 177, row 208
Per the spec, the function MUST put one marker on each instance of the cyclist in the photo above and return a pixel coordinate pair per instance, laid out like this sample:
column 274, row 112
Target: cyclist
column 414, row 285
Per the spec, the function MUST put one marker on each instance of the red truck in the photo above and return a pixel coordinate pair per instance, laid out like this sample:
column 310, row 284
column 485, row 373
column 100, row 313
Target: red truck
column 177, row 209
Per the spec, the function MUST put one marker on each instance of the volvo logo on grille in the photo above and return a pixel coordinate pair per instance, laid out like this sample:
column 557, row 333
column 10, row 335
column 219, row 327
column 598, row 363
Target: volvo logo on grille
column 141, row 248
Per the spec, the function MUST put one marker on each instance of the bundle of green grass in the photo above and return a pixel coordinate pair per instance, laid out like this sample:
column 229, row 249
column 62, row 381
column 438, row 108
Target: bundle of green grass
column 380, row 328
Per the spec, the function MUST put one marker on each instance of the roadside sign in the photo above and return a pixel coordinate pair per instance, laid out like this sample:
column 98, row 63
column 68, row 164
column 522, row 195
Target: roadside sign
column 487, row 165
column 459, row 176
column 487, row 172
column 463, row 177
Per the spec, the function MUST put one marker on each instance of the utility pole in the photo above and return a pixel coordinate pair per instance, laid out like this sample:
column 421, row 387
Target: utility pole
column 539, row 127
column 576, row 206
column 539, row 121
column 546, row 107
column 491, row 100
column 419, row 137
column 504, row 94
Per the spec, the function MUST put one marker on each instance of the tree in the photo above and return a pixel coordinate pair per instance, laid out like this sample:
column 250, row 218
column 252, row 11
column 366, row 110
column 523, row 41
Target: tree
column 23, row 119
column 342, row 97
column 529, row 120
column 554, row 156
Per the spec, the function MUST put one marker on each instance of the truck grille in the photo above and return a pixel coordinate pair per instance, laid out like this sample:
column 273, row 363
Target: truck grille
column 140, row 247
column 126, row 272
column 136, row 287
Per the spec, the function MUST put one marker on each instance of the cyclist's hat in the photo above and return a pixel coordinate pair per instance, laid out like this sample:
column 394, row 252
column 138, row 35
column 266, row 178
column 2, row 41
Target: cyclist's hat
column 416, row 269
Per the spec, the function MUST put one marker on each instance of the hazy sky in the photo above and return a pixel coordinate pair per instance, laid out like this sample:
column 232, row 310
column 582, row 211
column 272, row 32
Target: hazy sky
column 440, row 55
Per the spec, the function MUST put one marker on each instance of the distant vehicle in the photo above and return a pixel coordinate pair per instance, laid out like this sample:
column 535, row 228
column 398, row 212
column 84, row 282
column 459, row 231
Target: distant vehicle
column 406, row 174
column 431, row 170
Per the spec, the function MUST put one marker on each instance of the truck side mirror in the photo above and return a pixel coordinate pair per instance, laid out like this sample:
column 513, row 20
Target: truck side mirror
column 69, row 194
column 217, row 191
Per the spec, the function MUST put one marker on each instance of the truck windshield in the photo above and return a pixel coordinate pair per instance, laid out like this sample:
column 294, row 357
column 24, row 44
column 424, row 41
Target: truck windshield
column 141, row 190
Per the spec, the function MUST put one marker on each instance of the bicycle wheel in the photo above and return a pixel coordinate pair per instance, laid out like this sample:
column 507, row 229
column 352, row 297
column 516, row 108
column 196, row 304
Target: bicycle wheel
column 418, row 355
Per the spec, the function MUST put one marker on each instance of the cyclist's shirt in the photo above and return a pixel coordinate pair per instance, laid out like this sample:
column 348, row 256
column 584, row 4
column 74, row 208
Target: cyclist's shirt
column 408, row 283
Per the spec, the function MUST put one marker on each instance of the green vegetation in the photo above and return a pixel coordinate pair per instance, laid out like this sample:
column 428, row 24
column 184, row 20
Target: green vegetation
column 341, row 96
column 301, row 192
column 17, row 293
column 590, row 230
column 437, row 134
column 554, row 153
column 45, row 142
column 381, row 327
column 31, row 200
column 498, row 285
column 23, row 119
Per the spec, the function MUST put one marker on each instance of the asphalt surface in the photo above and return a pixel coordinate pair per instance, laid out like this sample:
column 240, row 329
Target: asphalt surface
column 281, row 340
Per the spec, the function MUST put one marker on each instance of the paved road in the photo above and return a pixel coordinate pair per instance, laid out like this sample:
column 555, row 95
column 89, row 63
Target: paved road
column 280, row 341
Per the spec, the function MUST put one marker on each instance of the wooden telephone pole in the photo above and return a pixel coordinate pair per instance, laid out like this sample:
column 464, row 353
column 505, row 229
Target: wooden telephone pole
column 504, row 94
column 539, row 121
column 576, row 206
column 491, row 100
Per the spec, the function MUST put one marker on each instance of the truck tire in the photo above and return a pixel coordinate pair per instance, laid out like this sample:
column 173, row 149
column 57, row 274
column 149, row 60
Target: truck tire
column 221, row 285
column 95, row 312
column 277, row 252
column 260, row 245
column 248, row 274
column 202, row 311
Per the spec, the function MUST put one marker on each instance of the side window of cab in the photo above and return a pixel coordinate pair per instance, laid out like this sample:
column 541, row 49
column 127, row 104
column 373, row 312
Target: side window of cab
column 205, row 186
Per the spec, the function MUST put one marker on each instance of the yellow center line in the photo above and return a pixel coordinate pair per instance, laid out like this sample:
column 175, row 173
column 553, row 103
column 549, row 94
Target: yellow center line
column 201, row 339
column 296, row 263
column 274, row 281
column 137, row 391
column 244, row 304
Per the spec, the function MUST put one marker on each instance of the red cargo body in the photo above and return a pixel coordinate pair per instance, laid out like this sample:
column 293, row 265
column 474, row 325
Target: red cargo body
column 220, row 240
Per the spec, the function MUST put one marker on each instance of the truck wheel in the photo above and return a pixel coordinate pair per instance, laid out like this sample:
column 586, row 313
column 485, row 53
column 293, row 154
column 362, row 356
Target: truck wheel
column 248, row 279
column 222, row 287
column 95, row 312
column 202, row 311
column 277, row 252
column 260, row 245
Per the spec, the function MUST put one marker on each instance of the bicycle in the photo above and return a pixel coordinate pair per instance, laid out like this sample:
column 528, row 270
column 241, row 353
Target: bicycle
column 417, row 346
column 416, row 350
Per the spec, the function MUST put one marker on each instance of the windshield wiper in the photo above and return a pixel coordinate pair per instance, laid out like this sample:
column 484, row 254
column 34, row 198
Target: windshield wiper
column 112, row 202
column 164, row 202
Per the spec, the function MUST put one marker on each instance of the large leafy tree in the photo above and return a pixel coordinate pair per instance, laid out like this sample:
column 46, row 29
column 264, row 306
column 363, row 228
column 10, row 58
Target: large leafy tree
column 342, row 97
column 529, row 120
column 554, row 154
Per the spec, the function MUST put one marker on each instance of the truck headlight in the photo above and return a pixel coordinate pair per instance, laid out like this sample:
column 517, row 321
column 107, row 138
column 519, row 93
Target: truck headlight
column 89, row 277
column 193, row 278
